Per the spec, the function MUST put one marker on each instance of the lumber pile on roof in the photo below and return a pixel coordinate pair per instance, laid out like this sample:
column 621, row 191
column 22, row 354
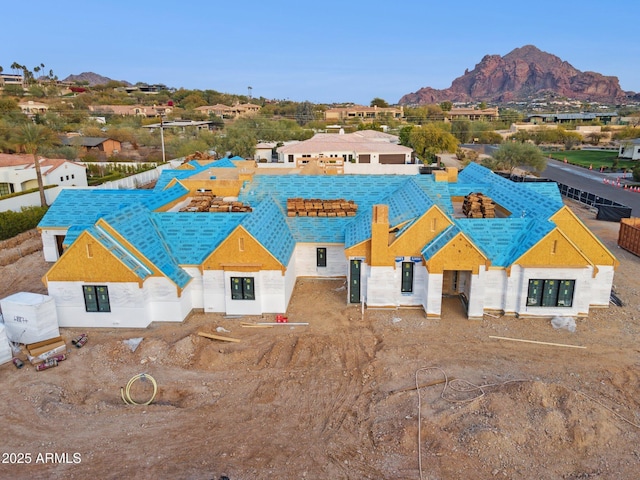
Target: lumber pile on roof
column 315, row 207
column 199, row 156
column 206, row 201
column 477, row 205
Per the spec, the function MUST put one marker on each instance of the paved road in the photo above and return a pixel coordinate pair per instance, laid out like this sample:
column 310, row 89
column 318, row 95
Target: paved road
column 593, row 181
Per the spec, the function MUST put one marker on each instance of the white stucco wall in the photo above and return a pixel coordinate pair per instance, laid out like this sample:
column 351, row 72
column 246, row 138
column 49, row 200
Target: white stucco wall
column 306, row 264
column 581, row 294
column 474, row 290
column 495, row 289
column 163, row 302
column 214, row 291
column 127, row 301
column 49, row 245
column 600, row 294
column 433, row 301
column 195, row 287
column 384, row 285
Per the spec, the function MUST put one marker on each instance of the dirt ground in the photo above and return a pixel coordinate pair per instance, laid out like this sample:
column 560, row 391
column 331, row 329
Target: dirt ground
column 335, row 399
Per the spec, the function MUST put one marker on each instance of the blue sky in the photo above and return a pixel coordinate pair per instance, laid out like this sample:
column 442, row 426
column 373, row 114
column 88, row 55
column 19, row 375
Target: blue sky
column 323, row 52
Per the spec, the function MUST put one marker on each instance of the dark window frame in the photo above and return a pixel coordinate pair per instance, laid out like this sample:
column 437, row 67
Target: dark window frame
column 406, row 284
column 321, row 257
column 96, row 298
column 243, row 288
column 550, row 292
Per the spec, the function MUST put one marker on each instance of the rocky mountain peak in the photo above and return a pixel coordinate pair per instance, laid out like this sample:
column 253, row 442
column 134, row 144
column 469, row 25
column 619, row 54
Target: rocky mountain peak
column 523, row 73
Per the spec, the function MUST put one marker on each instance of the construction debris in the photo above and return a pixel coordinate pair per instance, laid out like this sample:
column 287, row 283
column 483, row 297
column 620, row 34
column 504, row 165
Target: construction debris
column 45, row 350
column 477, row 205
column 218, row 337
column 536, row 342
column 199, row 156
column 315, row 207
column 282, row 323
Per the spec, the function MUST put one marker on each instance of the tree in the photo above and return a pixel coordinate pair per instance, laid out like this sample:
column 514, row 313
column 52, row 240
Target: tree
column 461, row 129
column 379, row 102
column 446, row 106
column 304, row 113
column 33, row 138
column 429, row 140
column 512, row 155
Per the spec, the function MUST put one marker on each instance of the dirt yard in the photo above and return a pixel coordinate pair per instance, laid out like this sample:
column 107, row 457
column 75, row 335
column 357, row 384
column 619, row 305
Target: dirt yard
column 335, row 399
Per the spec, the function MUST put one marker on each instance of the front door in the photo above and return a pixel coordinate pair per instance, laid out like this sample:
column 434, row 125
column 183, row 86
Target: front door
column 354, row 284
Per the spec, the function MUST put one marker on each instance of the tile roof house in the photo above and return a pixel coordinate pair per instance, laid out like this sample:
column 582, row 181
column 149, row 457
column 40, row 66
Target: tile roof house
column 18, row 173
column 366, row 146
column 362, row 112
column 128, row 258
column 108, row 146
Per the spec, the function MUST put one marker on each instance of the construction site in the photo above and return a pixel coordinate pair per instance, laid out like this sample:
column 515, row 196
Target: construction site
column 332, row 390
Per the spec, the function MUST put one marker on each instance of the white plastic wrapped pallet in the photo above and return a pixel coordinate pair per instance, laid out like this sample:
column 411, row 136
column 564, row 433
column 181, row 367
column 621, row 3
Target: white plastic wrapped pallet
column 29, row 317
column 5, row 349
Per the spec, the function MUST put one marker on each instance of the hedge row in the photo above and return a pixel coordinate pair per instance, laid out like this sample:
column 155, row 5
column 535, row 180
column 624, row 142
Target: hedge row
column 13, row 223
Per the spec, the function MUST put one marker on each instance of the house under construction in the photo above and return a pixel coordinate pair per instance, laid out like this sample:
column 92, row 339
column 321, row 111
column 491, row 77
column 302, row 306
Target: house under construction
column 237, row 245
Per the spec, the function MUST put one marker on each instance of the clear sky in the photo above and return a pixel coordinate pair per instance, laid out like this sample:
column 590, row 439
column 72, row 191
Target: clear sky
column 325, row 51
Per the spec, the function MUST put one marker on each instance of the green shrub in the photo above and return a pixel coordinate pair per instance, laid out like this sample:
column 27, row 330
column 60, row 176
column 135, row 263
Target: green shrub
column 13, row 223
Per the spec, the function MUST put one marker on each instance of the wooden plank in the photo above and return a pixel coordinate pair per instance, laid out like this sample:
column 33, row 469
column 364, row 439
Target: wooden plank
column 282, row 323
column 218, row 337
column 34, row 352
column 43, row 343
column 536, row 342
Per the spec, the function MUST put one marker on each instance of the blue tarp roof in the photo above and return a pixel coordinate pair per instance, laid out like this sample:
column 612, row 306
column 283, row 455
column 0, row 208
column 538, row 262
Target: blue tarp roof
column 181, row 238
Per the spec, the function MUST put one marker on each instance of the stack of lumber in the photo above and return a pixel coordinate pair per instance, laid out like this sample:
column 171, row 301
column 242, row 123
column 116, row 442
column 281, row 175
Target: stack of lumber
column 477, row 205
column 41, row 351
column 208, row 202
column 315, row 207
column 199, row 156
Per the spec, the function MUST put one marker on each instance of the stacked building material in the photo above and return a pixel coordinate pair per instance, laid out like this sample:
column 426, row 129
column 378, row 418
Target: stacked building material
column 199, row 156
column 208, row 202
column 477, row 205
column 315, row 207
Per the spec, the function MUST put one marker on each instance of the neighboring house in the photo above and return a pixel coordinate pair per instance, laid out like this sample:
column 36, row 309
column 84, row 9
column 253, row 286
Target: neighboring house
column 182, row 125
column 489, row 114
column 630, row 149
column 363, row 113
column 11, row 79
column 18, row 173
column 133, row 110
column 108, row 146
column 606, row 118
column 365, row 146
column 219, row 110
column 225, row 111
column 264, row 151
column 29, row 107
column 134, row 257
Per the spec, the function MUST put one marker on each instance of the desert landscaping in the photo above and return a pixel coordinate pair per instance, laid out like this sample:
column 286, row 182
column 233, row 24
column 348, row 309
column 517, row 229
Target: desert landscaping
column 336, row 398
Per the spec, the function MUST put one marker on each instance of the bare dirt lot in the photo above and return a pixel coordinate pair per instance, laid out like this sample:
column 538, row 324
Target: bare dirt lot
column 334, row 399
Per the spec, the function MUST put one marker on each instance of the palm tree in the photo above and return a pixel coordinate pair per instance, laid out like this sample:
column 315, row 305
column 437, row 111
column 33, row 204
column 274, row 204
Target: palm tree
column 32, row 138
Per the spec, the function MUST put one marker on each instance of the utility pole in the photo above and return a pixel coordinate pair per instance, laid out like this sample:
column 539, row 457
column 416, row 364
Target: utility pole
column 164, row 160
column 250, row 88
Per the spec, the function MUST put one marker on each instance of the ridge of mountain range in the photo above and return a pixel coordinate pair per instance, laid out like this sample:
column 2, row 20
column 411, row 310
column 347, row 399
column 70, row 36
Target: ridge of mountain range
column 523, row 74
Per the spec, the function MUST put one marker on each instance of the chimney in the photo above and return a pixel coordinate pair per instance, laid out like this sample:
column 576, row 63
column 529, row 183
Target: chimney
column 379, row 235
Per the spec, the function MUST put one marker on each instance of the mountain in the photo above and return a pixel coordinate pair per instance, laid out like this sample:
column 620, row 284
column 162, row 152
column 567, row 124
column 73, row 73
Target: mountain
column 92, row 78
column 522, row 74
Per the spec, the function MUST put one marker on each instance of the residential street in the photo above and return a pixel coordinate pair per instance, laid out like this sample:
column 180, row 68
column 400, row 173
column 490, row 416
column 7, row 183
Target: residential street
column 593, row 181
